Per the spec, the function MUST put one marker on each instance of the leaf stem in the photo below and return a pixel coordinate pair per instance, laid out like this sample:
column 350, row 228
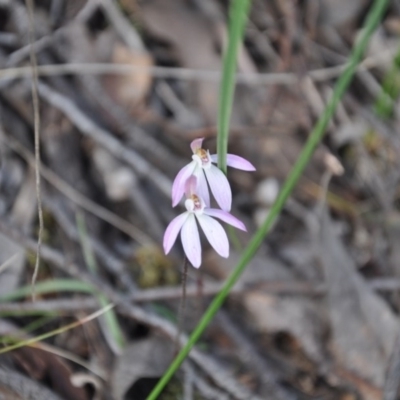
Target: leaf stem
column 237, row 21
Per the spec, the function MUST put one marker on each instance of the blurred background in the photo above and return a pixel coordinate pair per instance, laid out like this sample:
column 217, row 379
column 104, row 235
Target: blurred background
column 123, row 88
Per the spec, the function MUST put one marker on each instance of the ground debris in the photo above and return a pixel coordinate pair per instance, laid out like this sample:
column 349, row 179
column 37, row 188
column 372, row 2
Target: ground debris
column 124, row 87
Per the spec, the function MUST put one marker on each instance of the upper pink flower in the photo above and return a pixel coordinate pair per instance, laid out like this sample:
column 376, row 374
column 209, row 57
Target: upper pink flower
column 202, row 167
column 186, row 224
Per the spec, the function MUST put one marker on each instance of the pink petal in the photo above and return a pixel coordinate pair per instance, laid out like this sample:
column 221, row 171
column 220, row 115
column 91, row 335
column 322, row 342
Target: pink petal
column 215, row 234
column 172, row 231
column 191, row 185
column 178, row 187
column 191, row 241
column 226, row 217
column 219, row 187
column 235, row 162
column 196, row 144
column 202, row 188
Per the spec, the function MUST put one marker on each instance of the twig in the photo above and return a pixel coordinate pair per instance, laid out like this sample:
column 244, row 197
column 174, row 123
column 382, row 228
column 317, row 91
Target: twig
column 7, row 263
column 208, row 391
column 251, row 357
column 105, row 138
column 122, row 25
column 287, row 78
column 62, row 306
column 145, row 208
column 221, row 377
column 140, row 140
column 314, row 98
column 80, row 199
column 40, row 44
column 73, row 325
column 175, row 292
column 392, row 385
column 111, row 262
column 189, row 377
column 14, row 333
column 35, row 100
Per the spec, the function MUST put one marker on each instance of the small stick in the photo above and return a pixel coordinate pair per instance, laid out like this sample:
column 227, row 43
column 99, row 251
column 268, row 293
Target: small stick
column 200, row 293
column 35, row 100
column 181, row 315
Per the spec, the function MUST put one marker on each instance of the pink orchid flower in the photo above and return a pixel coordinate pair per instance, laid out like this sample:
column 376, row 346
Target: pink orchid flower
column 202, row 167
column 186, row 224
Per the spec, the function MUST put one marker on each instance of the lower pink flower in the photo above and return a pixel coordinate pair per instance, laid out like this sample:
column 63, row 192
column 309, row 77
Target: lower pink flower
column 187, row 225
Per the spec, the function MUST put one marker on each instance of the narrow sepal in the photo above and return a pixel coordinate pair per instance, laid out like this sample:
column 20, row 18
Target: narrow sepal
column 172, row 231
column 235, row 161
column 226, row 217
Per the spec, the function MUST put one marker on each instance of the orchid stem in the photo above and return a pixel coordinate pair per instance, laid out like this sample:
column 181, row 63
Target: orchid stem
column 182, row 305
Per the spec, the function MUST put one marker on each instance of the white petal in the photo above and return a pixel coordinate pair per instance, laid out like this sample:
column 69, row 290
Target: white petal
column 215, row 234
column 178, row 187
column 214, row 158
column 172, row 231
column 226, row 217
column 196, row 144
column 202, row 188
column 219, row 187
column 191, row 241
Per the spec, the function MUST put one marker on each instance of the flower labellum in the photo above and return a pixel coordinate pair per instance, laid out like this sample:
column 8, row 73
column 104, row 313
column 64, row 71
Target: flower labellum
column 203, row 169
column 196, row 209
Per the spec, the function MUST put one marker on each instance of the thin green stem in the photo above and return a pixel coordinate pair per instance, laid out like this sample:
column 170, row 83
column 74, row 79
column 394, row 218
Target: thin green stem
column 237, row 22
column 50, row 286
column 372, row 20
column 384, row 105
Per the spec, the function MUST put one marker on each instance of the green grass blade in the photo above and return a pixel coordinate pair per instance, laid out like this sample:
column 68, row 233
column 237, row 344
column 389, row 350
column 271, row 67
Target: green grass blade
column 237, row 21
column 55, row 332
column 372, row 20
column 30, row 313
column 110, row 318
column 50, row 286
column 88, row 255
column 384, row 105
column 112, row 323
column 38, row 323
